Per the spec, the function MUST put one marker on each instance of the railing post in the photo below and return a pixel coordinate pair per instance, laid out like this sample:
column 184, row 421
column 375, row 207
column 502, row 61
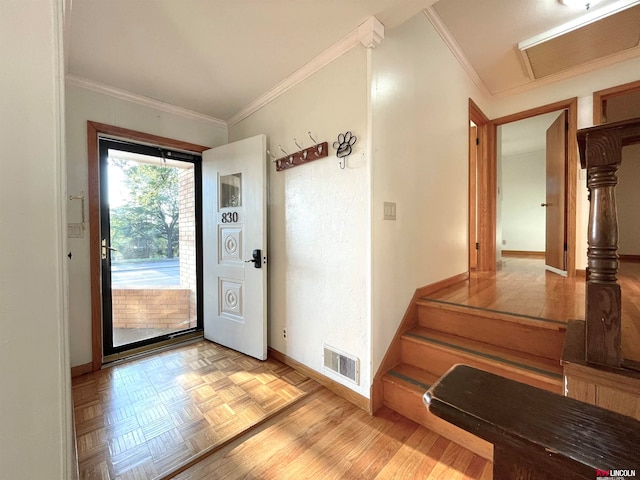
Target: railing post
column 602, row 155
column 603, row 307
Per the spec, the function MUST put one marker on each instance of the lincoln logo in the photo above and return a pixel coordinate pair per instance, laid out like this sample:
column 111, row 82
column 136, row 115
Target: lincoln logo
column 617, row 473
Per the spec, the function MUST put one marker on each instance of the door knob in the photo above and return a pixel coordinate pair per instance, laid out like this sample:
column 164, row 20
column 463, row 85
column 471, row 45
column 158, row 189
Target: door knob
column 256, row 259
column 544, row 204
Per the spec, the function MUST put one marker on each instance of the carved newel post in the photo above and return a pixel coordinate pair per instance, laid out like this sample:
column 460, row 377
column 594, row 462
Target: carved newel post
column 603, row 292
column 601, row 153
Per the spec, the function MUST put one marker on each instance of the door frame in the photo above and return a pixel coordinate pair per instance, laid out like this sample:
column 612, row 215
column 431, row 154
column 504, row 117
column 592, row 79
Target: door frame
column 601, row 96
column 487, row 184
column 94, row 130
column 481, row 180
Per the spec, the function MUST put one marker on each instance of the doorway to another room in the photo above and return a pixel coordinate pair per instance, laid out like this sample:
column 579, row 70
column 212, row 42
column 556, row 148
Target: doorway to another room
column 486, row 189
column 530, row 196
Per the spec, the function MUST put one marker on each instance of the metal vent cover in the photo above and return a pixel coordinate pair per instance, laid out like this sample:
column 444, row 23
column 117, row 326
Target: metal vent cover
column 342, row 363
column 568, row 47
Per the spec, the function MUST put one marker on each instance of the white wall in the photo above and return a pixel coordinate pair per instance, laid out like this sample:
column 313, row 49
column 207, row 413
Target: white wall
column 523, row 190
column 319, row 220
column 582, row 87
column 35, row 402
column 420, row 141
column 627, row 200
column 82, row 105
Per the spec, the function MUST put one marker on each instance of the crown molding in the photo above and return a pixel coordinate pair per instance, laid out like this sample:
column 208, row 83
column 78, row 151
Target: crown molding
column 369, row 34
column 455, row 49
column 142, row 100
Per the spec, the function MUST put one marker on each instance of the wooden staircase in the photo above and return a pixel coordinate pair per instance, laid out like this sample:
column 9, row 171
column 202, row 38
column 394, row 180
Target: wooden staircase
column 436, row 335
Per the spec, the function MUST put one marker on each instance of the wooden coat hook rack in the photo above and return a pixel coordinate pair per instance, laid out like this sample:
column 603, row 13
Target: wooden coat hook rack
column 304, row 155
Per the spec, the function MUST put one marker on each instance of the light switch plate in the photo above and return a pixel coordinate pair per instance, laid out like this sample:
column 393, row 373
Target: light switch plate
column 74, row 230
column 389, row 210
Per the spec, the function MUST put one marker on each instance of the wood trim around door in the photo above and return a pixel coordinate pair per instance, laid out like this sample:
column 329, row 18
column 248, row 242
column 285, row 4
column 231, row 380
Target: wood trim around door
column 571, row 105
column 473, row 172
column 484, row 186
column 94, row 130
column 601, row 96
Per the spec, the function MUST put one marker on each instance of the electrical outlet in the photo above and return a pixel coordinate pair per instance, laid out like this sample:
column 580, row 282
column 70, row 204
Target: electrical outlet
column 284, row 333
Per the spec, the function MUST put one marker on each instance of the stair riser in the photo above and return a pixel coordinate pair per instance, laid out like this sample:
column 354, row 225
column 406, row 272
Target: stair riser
column 409, row 403
column 437, row 360
column 543, row 342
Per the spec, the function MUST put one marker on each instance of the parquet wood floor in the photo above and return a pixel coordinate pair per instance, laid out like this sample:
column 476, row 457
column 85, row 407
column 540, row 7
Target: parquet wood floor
column 140, row 419
column 325, row 437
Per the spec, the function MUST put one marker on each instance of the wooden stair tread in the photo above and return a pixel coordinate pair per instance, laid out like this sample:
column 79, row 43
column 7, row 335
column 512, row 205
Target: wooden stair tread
column 412, row 377
column 538, row 322
column 538, row 365
column 404, row 390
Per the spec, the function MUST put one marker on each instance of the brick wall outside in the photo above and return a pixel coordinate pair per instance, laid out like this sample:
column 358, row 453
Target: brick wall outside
column 187, row 210
column 166, row 307
column 151, row 308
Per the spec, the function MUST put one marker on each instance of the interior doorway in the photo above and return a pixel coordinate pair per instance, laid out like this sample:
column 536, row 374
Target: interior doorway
column 486, row 186
column 531, row 205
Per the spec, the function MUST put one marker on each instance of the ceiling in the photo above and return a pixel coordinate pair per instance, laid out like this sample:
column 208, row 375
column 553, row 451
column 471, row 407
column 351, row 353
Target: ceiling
column 215, row 57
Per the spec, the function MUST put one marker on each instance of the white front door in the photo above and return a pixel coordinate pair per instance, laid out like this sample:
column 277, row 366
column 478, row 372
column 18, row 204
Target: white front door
column 234, row 232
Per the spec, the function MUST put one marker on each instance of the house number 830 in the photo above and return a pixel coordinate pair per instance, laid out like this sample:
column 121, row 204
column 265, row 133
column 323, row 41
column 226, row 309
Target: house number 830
column 230, row 217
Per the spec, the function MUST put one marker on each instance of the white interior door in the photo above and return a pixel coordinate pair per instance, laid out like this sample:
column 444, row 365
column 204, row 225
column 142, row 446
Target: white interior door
column 234, row 233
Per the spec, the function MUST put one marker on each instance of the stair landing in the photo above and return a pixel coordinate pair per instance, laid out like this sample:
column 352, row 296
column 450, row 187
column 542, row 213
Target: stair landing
column 521, row 286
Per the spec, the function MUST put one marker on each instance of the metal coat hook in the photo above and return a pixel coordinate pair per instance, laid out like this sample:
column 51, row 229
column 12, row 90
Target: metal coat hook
column 304, row 152
column 289, row 157
column 318, row 147
column 343, row 147
column 274, row 159
column 302, row 156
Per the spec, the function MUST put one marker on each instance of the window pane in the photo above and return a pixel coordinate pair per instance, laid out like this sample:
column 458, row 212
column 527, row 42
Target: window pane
column 231, row 191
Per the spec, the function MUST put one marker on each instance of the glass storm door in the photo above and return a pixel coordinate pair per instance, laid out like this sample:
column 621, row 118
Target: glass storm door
column 150, row 247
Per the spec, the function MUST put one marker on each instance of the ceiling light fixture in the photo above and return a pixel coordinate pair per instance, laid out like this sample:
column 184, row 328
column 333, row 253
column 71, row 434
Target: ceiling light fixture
column 580, row 4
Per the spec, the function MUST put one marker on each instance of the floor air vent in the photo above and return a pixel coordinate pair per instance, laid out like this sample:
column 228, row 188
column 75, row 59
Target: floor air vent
column 342, row 363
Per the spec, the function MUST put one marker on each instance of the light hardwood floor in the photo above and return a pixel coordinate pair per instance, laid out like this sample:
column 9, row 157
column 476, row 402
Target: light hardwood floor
column 225, row 415
column 521, row 285
column 325, row 437
column 143, row 418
